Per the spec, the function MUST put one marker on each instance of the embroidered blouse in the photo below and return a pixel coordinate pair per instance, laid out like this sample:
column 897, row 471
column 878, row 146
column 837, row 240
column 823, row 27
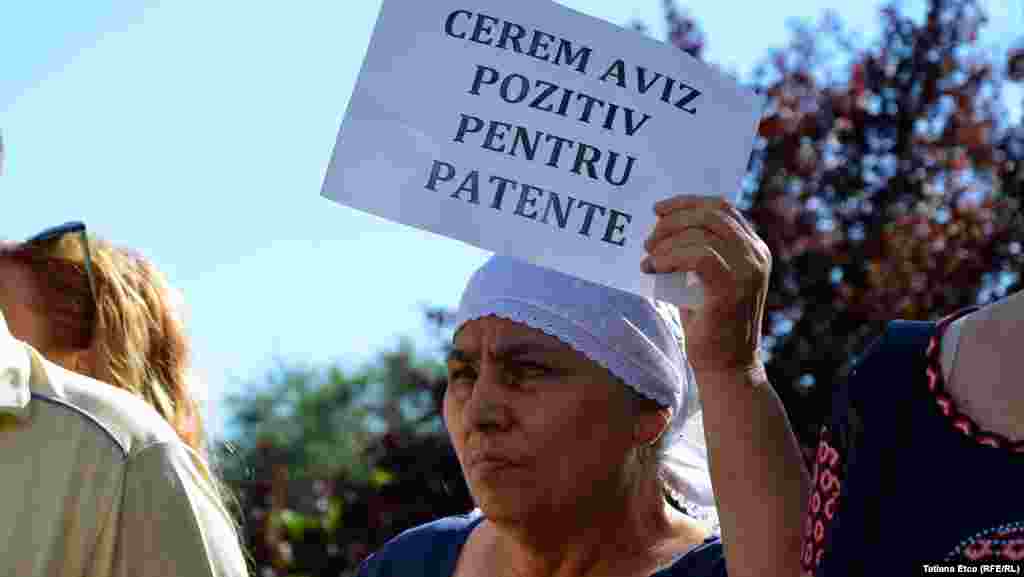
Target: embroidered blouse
column 902, row 478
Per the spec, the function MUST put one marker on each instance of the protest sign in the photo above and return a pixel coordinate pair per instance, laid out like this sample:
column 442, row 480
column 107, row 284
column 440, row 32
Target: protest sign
column 532, row 130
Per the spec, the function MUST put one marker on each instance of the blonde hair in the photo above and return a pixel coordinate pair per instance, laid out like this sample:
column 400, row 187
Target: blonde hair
column 133, row 330
column 140, row 342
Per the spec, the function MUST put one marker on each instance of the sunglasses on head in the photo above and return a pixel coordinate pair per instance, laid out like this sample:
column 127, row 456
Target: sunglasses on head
column 57, row 232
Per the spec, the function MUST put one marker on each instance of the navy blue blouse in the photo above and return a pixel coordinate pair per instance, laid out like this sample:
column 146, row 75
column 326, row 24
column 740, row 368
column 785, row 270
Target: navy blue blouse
column 432, row 550
column 902, row 479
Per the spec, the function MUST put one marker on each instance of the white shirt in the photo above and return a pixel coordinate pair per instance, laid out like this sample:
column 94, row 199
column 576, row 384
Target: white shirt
column 96, row 483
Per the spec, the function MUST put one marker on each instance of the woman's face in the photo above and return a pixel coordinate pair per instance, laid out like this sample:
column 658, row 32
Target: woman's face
column 17, row 289
column 538, row 428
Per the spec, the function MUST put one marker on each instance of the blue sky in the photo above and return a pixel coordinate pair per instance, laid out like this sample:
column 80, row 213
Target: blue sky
column 199, row 133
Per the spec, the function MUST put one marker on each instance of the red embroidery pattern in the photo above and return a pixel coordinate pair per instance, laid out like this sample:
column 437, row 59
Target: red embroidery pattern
column 1004, row 543
column 824, row 502
column 946, row 404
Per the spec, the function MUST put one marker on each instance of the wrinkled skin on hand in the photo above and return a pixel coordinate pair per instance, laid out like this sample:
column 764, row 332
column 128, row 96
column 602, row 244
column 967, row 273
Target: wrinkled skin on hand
column 709, row 236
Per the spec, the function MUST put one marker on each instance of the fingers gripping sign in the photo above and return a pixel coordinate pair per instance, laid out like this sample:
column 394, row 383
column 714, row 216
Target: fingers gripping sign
column 709, row 237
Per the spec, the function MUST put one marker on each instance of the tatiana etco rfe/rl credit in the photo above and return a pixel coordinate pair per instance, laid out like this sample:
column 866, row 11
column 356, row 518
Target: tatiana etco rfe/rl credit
column 1016, row 568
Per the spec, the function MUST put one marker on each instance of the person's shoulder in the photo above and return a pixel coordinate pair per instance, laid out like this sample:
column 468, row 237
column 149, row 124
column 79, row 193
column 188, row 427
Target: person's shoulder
column 704, row 560
column 122, row 417
column 446, row 529
column 426, row 550
column 167, row 498
column 890, row 364
column 899, row 338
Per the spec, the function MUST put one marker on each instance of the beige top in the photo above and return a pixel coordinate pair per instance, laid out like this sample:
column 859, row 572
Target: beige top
column 96, row 483
column 981, row 370
column 950, row 346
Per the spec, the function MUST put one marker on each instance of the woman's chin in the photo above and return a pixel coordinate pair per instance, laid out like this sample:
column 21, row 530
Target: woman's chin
column 504, row 508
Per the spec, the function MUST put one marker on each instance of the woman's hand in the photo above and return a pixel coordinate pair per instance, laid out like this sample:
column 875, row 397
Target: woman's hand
column 710, row 237
column 756, row 465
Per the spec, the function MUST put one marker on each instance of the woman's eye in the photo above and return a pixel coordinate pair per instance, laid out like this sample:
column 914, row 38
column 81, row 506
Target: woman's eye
column 462, row 374
column 532, row 370
column 514, row 372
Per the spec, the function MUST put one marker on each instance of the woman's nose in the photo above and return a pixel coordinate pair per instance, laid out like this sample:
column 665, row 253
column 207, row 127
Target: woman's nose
column 488, row 407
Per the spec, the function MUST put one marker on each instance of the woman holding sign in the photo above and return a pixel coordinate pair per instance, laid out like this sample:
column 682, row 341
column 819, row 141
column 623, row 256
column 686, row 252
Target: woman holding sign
column 573, row 409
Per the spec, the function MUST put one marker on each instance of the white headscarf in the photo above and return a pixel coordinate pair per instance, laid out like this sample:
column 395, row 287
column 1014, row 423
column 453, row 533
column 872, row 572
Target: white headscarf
column 638, row 340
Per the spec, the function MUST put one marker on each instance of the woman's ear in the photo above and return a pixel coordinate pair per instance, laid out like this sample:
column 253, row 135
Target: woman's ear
column 649, row 427
column 80, row 361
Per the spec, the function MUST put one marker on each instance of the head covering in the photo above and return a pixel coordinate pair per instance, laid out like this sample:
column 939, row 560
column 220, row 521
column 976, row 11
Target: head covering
column 638, row 340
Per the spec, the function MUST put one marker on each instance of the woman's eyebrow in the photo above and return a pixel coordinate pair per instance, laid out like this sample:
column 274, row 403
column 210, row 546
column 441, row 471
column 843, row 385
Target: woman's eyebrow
column 504, row 352
column 460, row 356
column 514, row 350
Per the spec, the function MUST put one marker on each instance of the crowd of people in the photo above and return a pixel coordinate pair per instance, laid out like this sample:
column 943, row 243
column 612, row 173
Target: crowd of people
column 599, row 433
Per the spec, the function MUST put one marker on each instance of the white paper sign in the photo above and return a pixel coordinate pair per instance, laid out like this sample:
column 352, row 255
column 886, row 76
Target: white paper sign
column 532, row 130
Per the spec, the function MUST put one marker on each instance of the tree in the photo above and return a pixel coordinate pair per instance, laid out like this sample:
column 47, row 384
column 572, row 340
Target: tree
column 330, row 464
column 314, row 419
column 409, row 401
column 885, row 181
column 322, row 422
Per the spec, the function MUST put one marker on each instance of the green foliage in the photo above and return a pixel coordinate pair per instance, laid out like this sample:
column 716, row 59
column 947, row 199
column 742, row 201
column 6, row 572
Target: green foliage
column 380, row 478
column 365, row 452
column 313, row 418
column 319, row 422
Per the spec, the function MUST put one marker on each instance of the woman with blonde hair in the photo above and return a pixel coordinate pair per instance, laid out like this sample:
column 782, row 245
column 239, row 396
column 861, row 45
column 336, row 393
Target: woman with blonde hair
column 115, row 477
column 129, row 333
